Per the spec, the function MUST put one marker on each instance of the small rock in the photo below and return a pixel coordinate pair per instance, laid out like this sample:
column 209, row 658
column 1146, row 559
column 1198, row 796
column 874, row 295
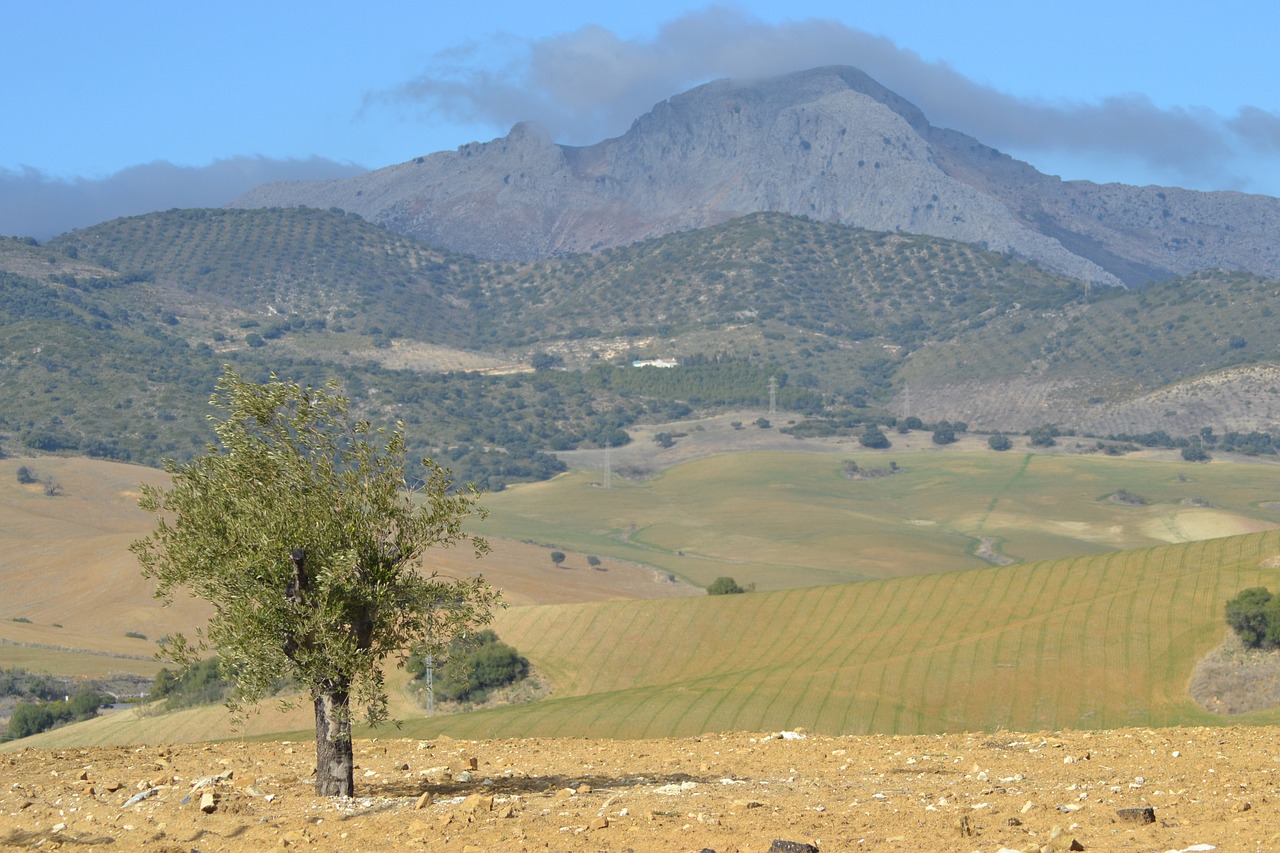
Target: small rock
column 584, row 789
column 423, row 801
column 1142, row 814
column 207, row 802
column 601, row 822
column 477, row 803
column 780, row 846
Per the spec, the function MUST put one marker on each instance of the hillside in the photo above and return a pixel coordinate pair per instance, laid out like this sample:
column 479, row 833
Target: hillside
column 630, row 653
column 114, row 336
column 828, row 143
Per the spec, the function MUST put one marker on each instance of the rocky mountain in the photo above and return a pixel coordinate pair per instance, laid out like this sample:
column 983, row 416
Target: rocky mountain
column 831, row 144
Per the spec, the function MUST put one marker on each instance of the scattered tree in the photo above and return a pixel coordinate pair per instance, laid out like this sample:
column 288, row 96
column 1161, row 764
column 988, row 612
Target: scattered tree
column 299, row 528
column 725, row 586
column 557, row 557
column 1254, row 614
column 26, row 476
column 999, row 441
column 944, row 433
column 873, row 438
column 477, row 665
column 1044, row 436
column 593, row 561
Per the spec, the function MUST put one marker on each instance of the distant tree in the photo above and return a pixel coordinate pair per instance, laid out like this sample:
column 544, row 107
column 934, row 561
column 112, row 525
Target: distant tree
column 546, row 361
column 724, row 586
column 872, row 437
column 26, row 476
column 299, row 528
column 593, row 561
column 944, row 433
column 763, row 423
column 557, row 557
column 476, row 665
column 999, row 441
column 29, row 718
column 1252, row 615
column 1044, row 436
column 1195, row 453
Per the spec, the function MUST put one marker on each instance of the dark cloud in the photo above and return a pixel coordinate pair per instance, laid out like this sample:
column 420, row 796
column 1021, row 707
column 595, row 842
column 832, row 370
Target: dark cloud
column 33, row 204
column 590, row 84
column 1258, row 129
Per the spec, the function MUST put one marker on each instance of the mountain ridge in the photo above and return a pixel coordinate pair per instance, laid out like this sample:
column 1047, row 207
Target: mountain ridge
column 831, row 144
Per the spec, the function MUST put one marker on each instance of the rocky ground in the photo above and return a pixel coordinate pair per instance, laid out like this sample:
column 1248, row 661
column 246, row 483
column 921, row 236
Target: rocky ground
column 1204, row 788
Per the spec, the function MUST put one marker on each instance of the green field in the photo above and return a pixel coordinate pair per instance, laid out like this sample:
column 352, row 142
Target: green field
column 1092, row 642
column 874, row 613
column 785, row 520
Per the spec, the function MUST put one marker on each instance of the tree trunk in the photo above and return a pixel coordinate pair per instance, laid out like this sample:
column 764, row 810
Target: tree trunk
column 335, row 766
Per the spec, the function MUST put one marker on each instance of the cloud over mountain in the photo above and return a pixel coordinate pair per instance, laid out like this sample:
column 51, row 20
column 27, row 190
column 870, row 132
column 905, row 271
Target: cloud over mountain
column 591, row 83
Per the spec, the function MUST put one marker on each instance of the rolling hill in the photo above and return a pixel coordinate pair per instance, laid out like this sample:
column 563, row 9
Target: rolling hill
column 935, row 642
column 114, row 335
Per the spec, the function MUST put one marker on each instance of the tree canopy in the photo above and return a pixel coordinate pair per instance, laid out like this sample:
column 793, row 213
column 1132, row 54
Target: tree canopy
column 299, row 528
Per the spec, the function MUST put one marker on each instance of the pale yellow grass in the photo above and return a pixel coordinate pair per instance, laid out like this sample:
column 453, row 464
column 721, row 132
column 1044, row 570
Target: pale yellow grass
column 64, row 561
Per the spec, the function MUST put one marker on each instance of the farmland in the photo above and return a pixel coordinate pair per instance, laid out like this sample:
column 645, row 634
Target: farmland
column 783, row 520
column 873, row 612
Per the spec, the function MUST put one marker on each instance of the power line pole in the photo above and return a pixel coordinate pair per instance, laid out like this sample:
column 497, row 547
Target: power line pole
column 608, row 466
column 773, row 395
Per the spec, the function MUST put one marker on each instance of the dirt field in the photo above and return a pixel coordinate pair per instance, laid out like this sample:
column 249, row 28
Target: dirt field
column 1209, row 789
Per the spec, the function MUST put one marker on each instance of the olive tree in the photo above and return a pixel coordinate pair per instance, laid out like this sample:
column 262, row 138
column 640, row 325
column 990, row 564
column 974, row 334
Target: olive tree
column 298, row 526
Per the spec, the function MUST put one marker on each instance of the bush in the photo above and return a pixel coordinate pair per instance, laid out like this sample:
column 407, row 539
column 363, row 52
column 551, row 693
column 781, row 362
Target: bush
column 557, row 557
column 724, row 586
column 872, row 437
column 1254, row 614
column 26, row 476
column 199, row 684
column 477, row 666
column 30, row 718
column 999, row 441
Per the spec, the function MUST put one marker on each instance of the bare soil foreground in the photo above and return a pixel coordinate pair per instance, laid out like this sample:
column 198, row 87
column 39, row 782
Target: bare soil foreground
column 1207, row 789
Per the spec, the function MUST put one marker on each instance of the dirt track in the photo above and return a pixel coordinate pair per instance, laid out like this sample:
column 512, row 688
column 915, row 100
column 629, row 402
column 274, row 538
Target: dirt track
column 737, row 792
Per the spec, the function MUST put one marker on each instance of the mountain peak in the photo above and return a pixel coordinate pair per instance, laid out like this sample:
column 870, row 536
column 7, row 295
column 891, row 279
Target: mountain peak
column 830, row 143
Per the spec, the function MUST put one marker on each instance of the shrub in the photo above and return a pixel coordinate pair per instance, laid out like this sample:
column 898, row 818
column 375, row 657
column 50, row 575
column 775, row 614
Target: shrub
column 477, row 666
column 30, row 718
column 26, row 476
column 872, row 437
column 1191, row 453
column 999, row 441
column 199, row 684
column 557, row 557
column 724, row 586
column 1255, row 617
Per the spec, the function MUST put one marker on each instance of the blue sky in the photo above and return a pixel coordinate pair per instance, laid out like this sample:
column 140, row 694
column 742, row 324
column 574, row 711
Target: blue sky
column 116, row 108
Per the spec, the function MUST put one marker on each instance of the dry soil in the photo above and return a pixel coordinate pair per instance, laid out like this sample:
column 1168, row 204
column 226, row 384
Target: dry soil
column 1208, row 789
